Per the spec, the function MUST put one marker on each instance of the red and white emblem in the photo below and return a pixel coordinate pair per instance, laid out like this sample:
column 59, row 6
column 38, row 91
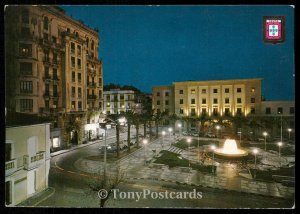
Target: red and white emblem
column 273, row 29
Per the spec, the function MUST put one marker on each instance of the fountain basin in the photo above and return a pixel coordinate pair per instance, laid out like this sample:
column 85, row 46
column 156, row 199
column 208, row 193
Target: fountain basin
column 230, row 150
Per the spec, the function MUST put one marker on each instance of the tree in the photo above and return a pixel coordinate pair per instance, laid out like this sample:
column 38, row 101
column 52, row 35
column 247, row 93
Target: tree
column 129, row 117
column 115, row 119
column 158, row 117
column 188, row 120
column 136, row 120
column 202, row 119
column 103, row 184
column 172, row 118
column 72, row 123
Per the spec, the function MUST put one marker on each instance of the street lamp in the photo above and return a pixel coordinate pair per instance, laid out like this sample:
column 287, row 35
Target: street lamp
column 163, row 136
column 145, row 143
column 213, row 147
column 179, row 126
column 289, row 130
column 265, row 134
column 170, row 130
column 240, row 133
column 189, row 141
column 218, row 127
column 279, row 146
column 255, row 151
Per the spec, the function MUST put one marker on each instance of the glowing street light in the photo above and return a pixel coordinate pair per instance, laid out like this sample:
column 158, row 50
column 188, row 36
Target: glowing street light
column 255, row 151
column 265, row 134
column 189, row 142
column 218, row 127
column 145, row 143
column 163, row 136
column 279, row 146
column 213, row 148
column 289, row 130
column 179, row 126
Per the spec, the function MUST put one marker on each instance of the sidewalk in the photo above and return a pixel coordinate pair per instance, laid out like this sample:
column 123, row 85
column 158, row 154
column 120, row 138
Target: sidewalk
column 38, row 198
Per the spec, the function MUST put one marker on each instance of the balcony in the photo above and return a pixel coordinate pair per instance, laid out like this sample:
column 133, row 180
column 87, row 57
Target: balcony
column 91, row 97
column 91, row 58
column 55, row 79
column 46, row 60
column 55, row 96
column 31, row 162
column 91, row 71
column 91, row 84
column 47, row 95
column 10, row 167
column 47, row 78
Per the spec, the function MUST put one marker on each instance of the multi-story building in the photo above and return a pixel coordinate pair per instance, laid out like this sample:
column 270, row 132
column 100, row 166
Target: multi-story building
column 217, row 97
column 118, row 101
column 52, row 65
column 27, row 161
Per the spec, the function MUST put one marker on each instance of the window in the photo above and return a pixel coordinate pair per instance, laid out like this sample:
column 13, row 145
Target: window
column 239, row 111
column 79, row 77
column 203, row 110
column 279, row 110
column 79, row 92
column 157, row 102
column 54, row 39
column 181, row 101
column 73, row 61
column 55, row 142
column 79, row 63
column 227, row 111
column 26, row 105
column 92, row 45
column 46, row 56
column 47, row 104
column 73, row 76
column 46, row 23
column 239, row 90
column 26, row 68
column 192, row 101
column 239, row 100
column 26, row 86
column 215, row 111
column 46, row 37
column 252, row 111
column 79, row 50
column 100, row 81
column 180, row 91
column 108, row 97
column 73, row 91
column 181, row 111
column 203, row 101
column 193, row 91
column 226, row 90
column 55, row 94
column 268, row 110
column 55, row 74
column 166, row 102
column 100, row 94
column 73, row 105
column 193, row 112
column 157, row 94
column 292, row 110
column 252, row 100
column 226, row 100
column 252, row 90
column 72, row 48
column 203, row 91
column 79, row 105
column 166, row 94
column 47, row 72
column 215, row 101
column 215, row 90
column 47, row 89
column 25, row 17
column 25, row 50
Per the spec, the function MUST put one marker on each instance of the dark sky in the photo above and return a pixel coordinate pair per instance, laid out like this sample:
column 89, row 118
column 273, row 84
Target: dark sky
column 147, row 46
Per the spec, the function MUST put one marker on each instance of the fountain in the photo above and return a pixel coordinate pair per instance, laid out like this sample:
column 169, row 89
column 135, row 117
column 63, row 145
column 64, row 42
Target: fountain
column 230, row 149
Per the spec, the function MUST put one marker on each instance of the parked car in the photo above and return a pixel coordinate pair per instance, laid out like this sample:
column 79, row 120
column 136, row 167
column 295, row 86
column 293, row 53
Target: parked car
column 211, row 135
column 109, row 148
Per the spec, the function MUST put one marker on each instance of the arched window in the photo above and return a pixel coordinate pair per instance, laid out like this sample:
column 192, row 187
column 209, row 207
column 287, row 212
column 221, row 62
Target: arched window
column 92, row 45
column 87, row 42
column 46, row 23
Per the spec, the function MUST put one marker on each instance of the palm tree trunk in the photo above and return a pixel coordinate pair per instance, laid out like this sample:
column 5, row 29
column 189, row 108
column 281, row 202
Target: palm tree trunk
column 118, row 139
column 128, row 137
column 145, row 129
column 150, row 129
column 137, row 135
column 156, row 127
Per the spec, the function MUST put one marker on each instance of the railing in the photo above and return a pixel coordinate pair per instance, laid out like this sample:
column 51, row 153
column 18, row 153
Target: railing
column 34, row 161
column 91, row 97
column 10, row 167
column 91, row 84
column 47, row 77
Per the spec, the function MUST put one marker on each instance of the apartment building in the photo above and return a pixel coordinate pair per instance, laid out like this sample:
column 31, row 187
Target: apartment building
column 52, row 64
column 27, row 161
column 217, row 97
column 118, row 101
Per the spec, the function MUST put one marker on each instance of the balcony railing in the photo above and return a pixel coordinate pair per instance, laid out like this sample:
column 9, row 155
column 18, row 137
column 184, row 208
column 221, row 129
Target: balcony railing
column 91, row 84
column 91, row 97
column 31, row 162
column 47, row 77
column 10, row 167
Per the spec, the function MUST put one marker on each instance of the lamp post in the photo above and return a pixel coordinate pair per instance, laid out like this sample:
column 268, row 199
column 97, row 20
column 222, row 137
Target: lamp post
column 198, row 148
column 189, row 141
column 213, row 147
column 218, row 127
column 265, row 134
column 289, row 130
column 179, row 126
column 145, row 143
column 170, row 130
column 240, row 133
column 255, row 151
column 279, row 146
column 163, row 136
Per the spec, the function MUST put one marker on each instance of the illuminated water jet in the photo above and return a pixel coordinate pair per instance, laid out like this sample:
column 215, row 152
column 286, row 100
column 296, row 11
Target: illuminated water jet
column 230, row 149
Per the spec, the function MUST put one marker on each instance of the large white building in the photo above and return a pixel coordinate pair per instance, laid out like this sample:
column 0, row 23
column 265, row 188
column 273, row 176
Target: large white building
column 27, row 162
column 118, row 101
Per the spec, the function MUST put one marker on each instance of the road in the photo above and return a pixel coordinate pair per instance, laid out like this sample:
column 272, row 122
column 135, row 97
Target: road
column 71, row 189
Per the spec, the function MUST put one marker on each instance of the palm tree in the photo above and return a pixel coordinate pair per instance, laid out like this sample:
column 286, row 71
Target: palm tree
column 202, row 119
column 158, row 118
column 187, row 119
column 129, row 117
column 172, row 118
column 136, row 120
column 115, row 119
column 72, row 124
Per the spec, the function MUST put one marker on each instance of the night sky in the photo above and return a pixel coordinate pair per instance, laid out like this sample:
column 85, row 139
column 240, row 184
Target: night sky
column 149, row 46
